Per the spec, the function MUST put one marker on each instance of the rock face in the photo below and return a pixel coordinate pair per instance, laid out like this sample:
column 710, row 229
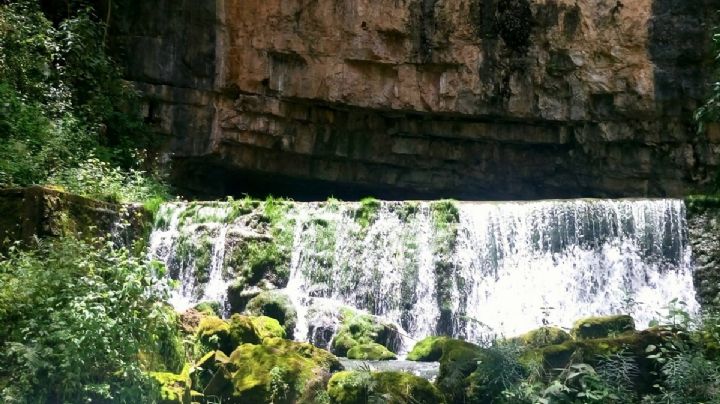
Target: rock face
column 470, row 98
column 704, row 237
column 45, row 212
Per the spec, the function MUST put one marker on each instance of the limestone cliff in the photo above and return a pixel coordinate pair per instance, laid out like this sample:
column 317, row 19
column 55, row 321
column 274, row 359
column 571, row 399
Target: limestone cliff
column 481, row 99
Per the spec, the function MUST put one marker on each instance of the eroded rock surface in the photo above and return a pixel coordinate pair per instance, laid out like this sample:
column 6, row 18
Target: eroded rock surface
column 469, row 98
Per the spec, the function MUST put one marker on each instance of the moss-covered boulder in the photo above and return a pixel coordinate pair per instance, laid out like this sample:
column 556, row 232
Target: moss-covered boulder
column 543, row 336
column 266, row 327
column 277, row 371
column 390, row 387
column 459, row 359
column 363, row 329
column 173, row 388
column 428, row 349
column 602, row 327
column 276, row 305
column 243, row 331
column 631, row 345
column 213, row 333
column 371, row 351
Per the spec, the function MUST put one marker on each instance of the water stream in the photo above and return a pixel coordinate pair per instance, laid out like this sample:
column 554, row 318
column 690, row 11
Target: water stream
column 495, row 269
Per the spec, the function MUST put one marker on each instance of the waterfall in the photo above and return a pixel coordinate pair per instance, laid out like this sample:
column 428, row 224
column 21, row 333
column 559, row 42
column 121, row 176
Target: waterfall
column 473, row 271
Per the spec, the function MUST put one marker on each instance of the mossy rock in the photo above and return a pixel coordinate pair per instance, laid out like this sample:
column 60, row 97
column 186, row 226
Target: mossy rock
column 602, row 327
column 458, row 361
column 210, row 374
column 242, row 331
column 543, row 336
column 362, row 329
column 209, row 308
column 214, row 333
column 252, row 371
column 353, row 387
column 276, row 305
column 594, row 351
column 428, row 350
column 267, row 327
column 173, row 388
column 371, row 351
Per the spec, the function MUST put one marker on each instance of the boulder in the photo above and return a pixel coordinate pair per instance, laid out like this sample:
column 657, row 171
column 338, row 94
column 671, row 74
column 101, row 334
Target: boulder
column 393, row 387
column 428, row 349
column 276, row 305
column 359, row 329
column 277, row 371
column 602, row 327
column 371, row 351
column 542, row 336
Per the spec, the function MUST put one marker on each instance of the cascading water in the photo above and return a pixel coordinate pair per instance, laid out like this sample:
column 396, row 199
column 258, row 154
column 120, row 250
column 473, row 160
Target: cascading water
column 431, row 268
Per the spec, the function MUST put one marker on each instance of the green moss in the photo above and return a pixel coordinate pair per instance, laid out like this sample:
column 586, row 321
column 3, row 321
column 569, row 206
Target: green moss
column 388, row 387
column 366, row 213
column 445, row 212
column 173, row 388
column 602, row 327
column 213, row 333
column 239, row 208
column 197, row 253
column 428, row 350
column 591, row 351
column 543, row 336
column 370, row 351
column 276, row 305
column 700, row 203
column 253, row 370
column 267, row 327
column 459, row 359
column 362, row 329
column 242, row 331
column 408, row 210
column 258, row 259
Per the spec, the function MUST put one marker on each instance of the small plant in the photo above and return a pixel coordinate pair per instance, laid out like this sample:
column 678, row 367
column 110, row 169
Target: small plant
column 366, row 214
column 279, row 387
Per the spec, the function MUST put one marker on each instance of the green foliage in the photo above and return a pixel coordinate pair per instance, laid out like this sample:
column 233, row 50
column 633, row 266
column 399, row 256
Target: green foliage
column 710, row 111
column 75, row 317
column 366, row 214
column 66, row 109
column 97, row 179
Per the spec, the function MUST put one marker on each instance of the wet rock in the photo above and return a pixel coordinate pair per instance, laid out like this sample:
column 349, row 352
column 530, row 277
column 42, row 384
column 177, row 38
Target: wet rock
column 351, row 387
column 276, row 305
column 359, row 329
column 370, row 351
column 277, row 370
column 602, row 327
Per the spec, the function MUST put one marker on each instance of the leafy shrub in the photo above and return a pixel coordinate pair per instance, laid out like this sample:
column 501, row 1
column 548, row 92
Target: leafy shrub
column 75, row 317
column 65, row 106
column 98, row 179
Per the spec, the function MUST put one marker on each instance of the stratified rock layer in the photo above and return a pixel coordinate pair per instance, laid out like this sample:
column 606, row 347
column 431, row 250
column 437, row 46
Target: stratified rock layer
column 470, row 98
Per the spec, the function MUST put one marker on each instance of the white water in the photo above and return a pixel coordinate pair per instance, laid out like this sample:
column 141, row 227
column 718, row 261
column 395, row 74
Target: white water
column 514, row 266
